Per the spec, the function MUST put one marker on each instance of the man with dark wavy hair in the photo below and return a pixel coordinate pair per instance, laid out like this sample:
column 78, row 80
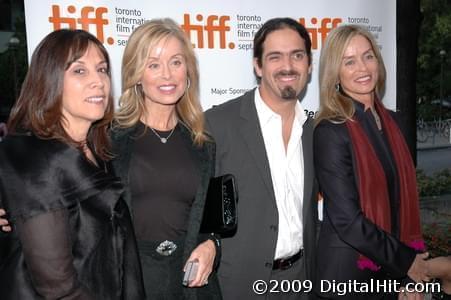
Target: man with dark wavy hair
column 264, row 138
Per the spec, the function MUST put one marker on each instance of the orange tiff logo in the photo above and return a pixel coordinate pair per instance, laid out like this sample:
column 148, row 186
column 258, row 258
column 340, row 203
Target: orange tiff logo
column 213, row 24
column 320, row 27
column 88, row 16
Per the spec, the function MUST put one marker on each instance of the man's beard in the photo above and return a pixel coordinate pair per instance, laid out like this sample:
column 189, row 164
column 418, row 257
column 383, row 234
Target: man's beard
column 288, row 93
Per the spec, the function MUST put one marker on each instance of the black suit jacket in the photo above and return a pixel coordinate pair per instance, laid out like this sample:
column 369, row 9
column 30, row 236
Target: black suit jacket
column 240, row 150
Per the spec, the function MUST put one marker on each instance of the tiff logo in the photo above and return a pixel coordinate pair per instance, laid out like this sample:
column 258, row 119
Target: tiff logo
column 214, row 24
column 89, row 16
column 327, row 24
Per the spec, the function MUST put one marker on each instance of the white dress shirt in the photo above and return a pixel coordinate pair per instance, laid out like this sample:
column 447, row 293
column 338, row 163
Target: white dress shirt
column 287, row 174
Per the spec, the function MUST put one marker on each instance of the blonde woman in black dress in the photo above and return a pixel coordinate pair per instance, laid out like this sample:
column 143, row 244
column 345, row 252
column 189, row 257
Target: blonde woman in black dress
column 166, row 160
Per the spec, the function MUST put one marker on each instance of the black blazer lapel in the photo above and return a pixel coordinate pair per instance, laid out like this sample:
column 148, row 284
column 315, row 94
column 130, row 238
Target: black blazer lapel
column 251, row 132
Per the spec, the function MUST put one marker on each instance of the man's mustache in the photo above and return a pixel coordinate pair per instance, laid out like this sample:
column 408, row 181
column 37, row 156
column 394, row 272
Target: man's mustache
column 287, row 73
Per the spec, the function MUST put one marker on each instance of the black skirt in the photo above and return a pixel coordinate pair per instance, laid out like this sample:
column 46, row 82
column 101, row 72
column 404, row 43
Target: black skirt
column 162, row 275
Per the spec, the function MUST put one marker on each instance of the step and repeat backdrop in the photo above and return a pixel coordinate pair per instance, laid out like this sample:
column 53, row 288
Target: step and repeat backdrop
column 221, row 33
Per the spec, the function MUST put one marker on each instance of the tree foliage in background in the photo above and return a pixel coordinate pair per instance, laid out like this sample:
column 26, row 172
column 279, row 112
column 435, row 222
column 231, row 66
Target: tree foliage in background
column 7, row 80
column 434, row 185
column 435, row 35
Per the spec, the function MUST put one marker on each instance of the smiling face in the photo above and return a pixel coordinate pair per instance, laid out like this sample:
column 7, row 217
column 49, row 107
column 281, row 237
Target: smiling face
column 86, row 87
column 359, row 70
column 284, row 66
column 165, row 76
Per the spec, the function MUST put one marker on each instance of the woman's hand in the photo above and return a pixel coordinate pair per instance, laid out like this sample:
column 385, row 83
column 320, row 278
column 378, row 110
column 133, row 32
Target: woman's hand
column 418, row 270
column 4, row 224
column 204, row 253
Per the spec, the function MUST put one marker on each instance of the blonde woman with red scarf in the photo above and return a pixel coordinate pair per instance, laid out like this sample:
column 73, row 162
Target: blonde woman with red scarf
column 370, row 240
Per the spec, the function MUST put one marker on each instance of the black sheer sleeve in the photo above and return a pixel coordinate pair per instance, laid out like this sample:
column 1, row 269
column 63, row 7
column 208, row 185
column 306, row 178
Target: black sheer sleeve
column 47, row 251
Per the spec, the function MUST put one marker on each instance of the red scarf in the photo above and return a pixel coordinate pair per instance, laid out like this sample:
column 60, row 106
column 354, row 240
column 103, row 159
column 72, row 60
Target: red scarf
column 372, row 183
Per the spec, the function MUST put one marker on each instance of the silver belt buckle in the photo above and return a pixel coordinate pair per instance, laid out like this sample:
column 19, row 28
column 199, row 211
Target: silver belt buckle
column 166, row 248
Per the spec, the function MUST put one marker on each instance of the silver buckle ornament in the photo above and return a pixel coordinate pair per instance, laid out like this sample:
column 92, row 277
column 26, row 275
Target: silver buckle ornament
column 166, row 248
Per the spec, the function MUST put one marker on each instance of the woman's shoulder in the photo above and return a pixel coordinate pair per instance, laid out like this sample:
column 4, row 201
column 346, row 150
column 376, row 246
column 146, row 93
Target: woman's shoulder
column 121, row 137
column 27, row 149
column 209, row 144
column 118, row 132
column 329, row 133
column 209, row 140
column 19, row 140
column 330, row 127
column 30, row 169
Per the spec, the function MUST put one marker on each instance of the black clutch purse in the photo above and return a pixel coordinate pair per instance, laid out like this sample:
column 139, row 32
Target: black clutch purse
column 220, row 212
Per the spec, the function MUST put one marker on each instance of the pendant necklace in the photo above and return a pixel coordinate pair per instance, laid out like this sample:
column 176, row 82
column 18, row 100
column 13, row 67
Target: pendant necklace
column 164, row 140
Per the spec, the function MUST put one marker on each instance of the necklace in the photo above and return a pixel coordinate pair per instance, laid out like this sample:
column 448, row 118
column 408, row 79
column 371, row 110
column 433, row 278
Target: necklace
column 164, row 140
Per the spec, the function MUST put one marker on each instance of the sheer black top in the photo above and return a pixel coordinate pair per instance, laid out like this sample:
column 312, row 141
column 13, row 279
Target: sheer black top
column 164, row 178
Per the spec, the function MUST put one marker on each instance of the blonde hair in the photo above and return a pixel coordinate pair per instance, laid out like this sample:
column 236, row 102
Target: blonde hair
column 334, row 105
column 131, row 103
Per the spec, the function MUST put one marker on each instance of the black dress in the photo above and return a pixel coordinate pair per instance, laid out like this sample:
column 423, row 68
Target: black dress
column 163, row 181
column 345, row 231
column 163, row 274
column 73, row 237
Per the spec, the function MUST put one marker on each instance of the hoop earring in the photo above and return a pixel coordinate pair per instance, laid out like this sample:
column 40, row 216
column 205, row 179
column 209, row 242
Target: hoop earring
column 188, row 83
column 337, row 87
